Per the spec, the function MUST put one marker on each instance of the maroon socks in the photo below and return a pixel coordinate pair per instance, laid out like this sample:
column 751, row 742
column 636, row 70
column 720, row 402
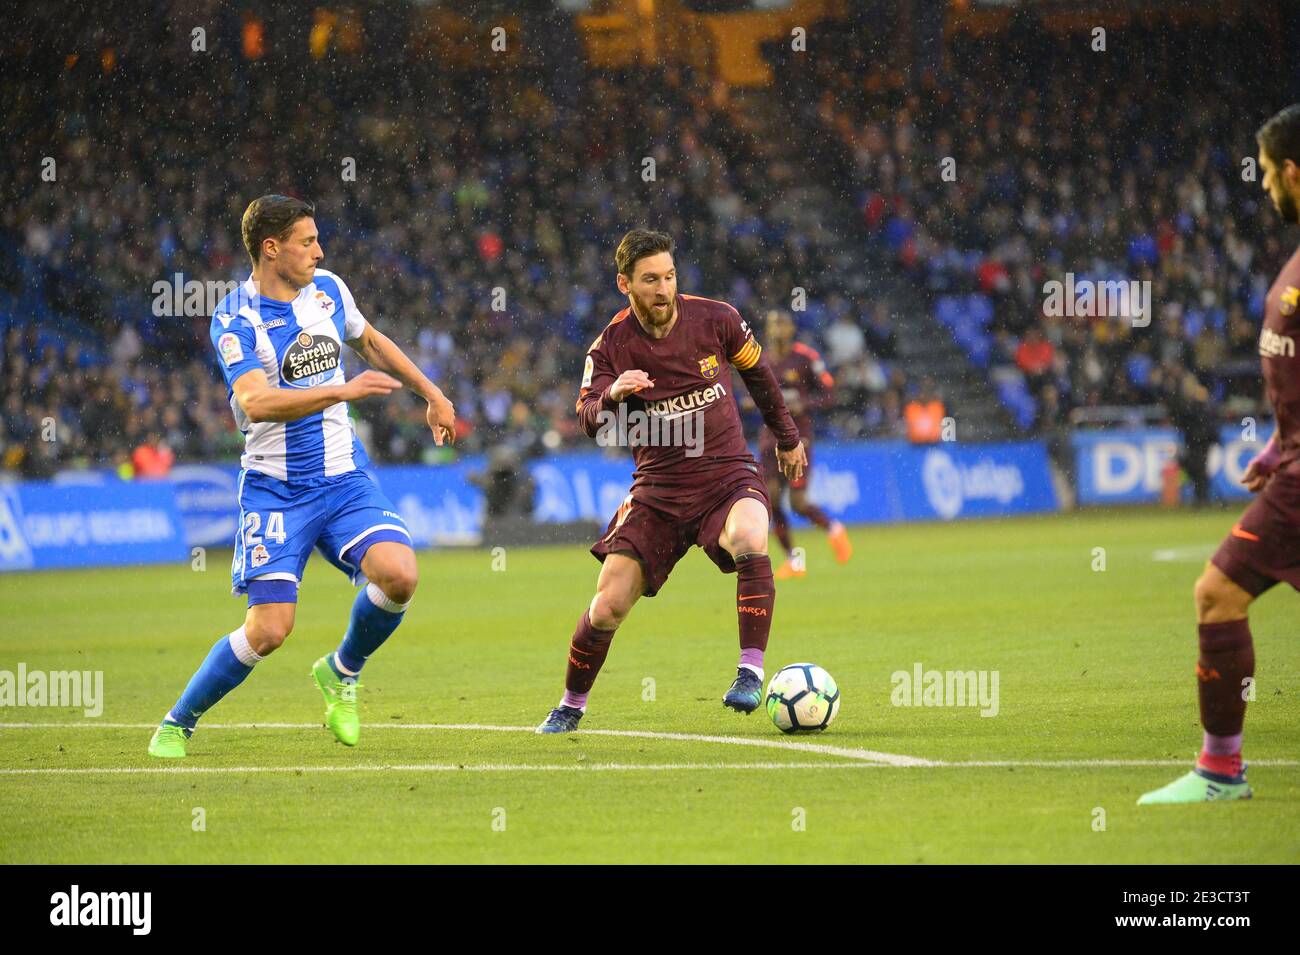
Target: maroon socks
column 755, row 597
column 587, row 652
column 1227, row 659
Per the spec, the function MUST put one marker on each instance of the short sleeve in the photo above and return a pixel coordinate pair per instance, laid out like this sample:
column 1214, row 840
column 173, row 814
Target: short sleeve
column 354, row 323
column 236, row 345
column 742, row 348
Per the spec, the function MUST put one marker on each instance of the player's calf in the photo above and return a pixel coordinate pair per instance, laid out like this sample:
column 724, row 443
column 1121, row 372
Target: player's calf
column 375, row 616
column 227, row 665
column 620, row 584
column 745, row 537
column 755, row 603
column 1224, row 667
column 391, row 574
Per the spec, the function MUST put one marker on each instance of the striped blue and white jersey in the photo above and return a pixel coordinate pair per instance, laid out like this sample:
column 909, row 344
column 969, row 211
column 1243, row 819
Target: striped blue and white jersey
column 298, row 344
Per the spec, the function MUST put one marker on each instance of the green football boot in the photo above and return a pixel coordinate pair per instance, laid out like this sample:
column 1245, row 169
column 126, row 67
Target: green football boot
column 1200, row 785
column 169, row 741
column 340, row 702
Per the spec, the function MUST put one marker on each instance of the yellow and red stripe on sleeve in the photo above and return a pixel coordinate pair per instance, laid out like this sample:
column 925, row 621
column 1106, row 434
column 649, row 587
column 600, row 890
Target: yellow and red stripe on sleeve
column 748, row 355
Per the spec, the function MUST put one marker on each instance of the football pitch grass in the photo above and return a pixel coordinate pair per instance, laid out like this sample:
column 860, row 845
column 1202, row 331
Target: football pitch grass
column 1096, row 705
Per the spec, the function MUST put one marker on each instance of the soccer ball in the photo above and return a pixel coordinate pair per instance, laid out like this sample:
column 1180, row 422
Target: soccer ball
column 802, row 698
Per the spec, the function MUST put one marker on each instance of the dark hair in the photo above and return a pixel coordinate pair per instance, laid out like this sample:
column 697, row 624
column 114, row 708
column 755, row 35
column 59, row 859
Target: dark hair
column 638, row 244
column 271, row 217
column 1279, row 138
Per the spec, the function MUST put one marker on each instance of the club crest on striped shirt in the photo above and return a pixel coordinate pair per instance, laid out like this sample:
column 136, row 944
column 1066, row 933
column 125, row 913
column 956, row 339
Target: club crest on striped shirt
column 709, row 366
column 324, row 301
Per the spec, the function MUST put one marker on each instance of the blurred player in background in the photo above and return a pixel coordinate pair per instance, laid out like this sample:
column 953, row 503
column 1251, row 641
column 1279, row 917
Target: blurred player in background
column 663, row 358
column 806, row 386
column 279, row 343
column 1264, row 546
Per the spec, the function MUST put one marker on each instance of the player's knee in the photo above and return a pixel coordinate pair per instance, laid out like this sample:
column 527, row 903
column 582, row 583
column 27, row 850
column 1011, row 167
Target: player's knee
column 266, row 635
column 393, row 569
column 748, row 539
column 1217, row 598
column 608, row 610
column 399, row 585
column 1207, row 592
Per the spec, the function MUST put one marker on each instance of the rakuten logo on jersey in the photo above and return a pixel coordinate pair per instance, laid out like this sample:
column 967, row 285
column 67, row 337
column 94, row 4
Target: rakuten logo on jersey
column 692, row 401
column 310, row 360
column 1273, row 345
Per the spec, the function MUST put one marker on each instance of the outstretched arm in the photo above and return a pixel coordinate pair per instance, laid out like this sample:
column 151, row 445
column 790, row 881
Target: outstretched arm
column 380, row 352
column 261, row 402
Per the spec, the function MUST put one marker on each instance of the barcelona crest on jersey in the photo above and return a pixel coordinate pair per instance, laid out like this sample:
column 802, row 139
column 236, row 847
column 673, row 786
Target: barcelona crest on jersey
column 709, row 366
column 1289, row 297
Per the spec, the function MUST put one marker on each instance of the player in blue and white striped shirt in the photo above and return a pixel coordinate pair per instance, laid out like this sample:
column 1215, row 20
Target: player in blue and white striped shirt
column 279, row 341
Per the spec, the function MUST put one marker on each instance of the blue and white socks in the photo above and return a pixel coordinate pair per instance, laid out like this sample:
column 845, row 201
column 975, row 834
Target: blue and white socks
column 231, row 659
column 228, row 663
column 374, row 618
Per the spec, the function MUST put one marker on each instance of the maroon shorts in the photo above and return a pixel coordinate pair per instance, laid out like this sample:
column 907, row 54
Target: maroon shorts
column 1264, row 547
column 659, row 539
column 772, row 469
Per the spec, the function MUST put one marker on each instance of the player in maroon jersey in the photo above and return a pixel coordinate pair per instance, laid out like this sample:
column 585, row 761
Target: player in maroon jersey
column 806, row 386
column 1264, row 547
column 655, row 379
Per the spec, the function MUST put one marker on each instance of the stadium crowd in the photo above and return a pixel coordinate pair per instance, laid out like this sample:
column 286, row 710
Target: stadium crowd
column 1002, row 175
column 477, row 232
column 473, row 212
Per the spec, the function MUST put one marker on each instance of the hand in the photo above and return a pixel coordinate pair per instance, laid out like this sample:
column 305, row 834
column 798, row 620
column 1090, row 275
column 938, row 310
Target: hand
column 369, row 382
column 792, row 462
column 628, row 383
column 441, row 417
column 1260, row 469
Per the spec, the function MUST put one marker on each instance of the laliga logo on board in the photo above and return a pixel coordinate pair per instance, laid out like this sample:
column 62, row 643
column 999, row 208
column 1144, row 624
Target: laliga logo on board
column 942, row 484
column 949, row 485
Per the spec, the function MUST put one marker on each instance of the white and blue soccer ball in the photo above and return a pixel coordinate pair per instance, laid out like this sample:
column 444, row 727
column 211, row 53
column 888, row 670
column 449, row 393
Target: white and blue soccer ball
column 802, row 698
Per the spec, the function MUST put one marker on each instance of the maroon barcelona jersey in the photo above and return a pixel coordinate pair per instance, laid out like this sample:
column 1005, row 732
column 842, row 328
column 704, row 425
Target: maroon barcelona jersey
column 689, row 370
column 1277, row 349
column 1264, row 547
column 804, row 379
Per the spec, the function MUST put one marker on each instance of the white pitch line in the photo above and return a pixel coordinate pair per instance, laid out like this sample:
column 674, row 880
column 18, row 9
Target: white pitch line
column 588, row 767
column 1099, row 763
column 1178, row 554
column 434, row 768
column 889, row 759
column 862, row 757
